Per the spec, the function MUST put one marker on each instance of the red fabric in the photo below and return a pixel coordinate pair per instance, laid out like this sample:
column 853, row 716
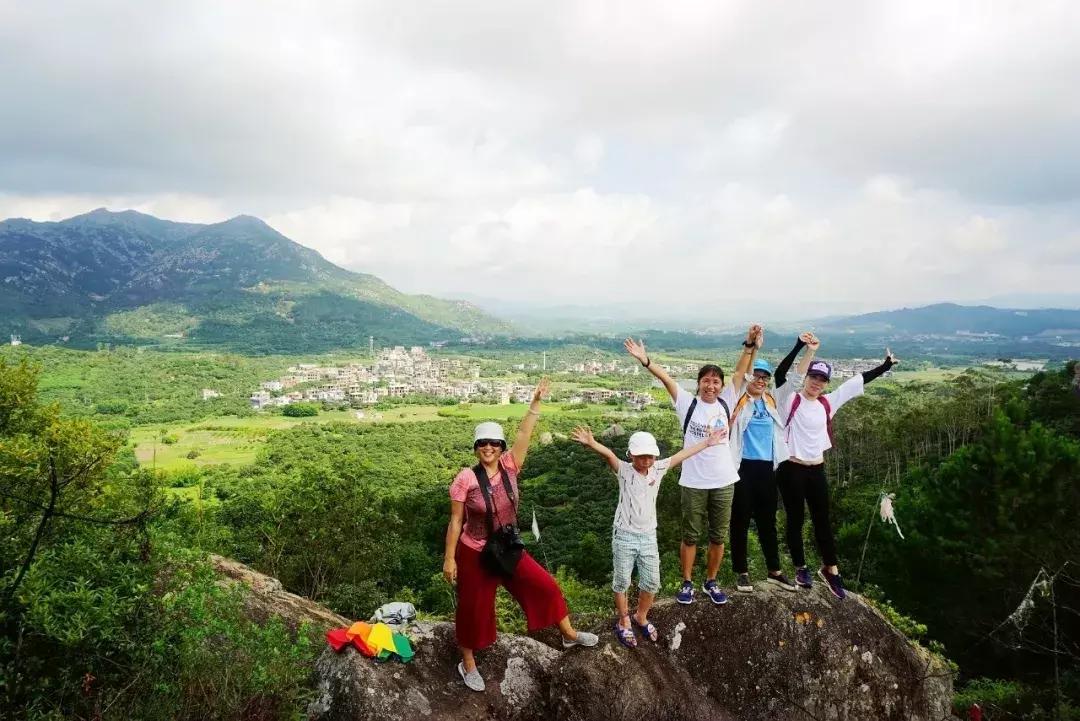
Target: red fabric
column 532, row 587
column 337, row 638
column 362, row 647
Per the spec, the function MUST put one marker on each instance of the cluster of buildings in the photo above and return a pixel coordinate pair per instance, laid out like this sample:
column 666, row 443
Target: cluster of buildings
column 395, row 373
column 635, row 399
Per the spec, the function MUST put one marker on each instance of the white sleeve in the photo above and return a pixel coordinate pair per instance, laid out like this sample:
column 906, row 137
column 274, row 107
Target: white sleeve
column 851, row 388
column 791, row 386
column 728, row 396
column 661, row 466
column 682, row 404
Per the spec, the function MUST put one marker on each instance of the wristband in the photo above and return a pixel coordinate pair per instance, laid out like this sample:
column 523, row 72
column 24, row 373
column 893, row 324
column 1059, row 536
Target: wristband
column 647, row 363
column 747, row 345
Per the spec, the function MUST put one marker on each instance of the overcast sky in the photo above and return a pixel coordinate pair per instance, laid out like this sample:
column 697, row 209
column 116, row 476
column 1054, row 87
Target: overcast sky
column 852, row 156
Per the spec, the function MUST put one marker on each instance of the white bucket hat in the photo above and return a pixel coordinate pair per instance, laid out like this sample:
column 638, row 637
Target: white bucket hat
column 643, row 443
column 489, row 431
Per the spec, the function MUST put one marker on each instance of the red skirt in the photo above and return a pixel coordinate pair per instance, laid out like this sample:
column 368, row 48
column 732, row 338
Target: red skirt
column 531, row 586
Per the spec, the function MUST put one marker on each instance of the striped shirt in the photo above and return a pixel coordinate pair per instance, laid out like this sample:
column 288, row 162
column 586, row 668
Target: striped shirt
column 637, row 496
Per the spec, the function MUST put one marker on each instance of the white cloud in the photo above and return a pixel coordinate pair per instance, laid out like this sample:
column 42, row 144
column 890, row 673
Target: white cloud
column 574, row 151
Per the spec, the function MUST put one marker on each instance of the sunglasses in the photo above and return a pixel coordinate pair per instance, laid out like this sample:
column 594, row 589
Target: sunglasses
column 485, row 442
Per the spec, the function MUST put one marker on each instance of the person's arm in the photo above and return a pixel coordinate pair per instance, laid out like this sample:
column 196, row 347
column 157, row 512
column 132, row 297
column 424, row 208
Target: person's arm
column 780, row 376
column 584, row 436
column 637, row 350
column 750, row 348
column 453, row 533
column 890, row 361
column 812, row 345
column 714, row 438
column 521, row 441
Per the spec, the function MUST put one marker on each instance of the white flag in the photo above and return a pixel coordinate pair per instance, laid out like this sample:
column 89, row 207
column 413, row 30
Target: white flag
column 888, row 513
column 535, row 527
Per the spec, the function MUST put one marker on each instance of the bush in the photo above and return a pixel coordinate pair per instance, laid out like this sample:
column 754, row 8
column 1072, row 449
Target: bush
column 300, row 410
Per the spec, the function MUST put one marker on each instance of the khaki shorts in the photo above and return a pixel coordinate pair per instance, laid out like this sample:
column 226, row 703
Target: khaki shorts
column 706, row 504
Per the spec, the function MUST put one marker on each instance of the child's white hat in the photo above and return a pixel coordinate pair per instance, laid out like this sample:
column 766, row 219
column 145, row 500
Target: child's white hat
column 643, row 443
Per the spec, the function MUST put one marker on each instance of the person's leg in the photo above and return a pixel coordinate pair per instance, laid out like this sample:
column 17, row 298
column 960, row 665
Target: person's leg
column 474, row 621
column 790, row 483
column 692, row 501
column 539, row 596
column 741, row 507
column 763, row 491
column 648, row 578
column 817, row 500
column 623, row 557
column 719, row 504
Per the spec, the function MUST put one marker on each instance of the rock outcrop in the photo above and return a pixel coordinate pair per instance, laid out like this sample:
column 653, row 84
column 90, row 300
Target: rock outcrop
column 771, row 655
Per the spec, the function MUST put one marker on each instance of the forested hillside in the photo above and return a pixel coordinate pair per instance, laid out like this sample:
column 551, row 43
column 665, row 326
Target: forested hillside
column 108, row 609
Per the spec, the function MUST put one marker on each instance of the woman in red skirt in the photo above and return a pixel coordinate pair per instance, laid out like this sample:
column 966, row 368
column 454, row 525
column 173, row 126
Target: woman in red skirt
column 531, row 585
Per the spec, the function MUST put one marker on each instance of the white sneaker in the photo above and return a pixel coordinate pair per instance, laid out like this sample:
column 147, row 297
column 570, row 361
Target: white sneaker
column 472, row 679
column 584, row 638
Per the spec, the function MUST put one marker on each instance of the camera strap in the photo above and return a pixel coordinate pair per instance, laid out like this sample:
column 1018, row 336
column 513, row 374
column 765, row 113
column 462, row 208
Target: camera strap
column 485, row 488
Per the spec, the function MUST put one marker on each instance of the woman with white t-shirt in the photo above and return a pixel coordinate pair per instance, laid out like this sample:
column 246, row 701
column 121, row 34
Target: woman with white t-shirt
column 708, row 479
column 801, row 479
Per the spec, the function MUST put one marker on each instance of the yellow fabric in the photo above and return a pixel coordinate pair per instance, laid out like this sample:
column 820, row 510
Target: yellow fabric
column 381, row 638
column 360, row 629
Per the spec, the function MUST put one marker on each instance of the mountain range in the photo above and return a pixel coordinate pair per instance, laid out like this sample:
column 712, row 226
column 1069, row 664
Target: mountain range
column 127, row 276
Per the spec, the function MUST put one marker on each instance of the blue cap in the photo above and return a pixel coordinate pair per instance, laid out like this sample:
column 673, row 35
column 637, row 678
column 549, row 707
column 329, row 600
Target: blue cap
column 762, row 365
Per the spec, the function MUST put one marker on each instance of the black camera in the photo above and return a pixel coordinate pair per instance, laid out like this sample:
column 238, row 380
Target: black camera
column 511, row 536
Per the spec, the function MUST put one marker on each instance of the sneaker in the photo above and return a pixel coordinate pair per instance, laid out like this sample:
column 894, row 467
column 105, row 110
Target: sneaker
column 836, row 584
column 584, row 638
column 743, row 583
column 783, row 582
column 472, row 679
column 714, row 592
column 686, row 593
column 803, row 577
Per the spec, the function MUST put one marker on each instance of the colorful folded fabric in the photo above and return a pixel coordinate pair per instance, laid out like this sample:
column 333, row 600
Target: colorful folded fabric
column 403, row 648
column 380, row 639
column 360, row 629
column 361, row 645
column 337, row 638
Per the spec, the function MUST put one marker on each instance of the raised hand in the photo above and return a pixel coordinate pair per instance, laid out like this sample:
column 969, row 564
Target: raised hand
column 636, row 349
column 890, row 357
column 810, row 340
column 542, row 389
column 583, row 435
column 759, row 336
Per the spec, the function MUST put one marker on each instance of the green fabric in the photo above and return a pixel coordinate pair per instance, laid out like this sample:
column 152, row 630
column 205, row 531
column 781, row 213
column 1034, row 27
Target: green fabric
column 403, row 648
column 700, row 505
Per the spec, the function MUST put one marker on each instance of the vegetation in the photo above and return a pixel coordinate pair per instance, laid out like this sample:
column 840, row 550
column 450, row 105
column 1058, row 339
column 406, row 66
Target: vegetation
column 110, row 610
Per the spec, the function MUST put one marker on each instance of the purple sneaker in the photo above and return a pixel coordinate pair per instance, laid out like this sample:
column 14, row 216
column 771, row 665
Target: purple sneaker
column 686, row 593
column 712, row 589
column 836, row 585
column 803, row 577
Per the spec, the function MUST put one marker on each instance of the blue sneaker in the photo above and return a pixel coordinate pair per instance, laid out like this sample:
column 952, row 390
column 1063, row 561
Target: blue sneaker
column 803, row 577
column 715, row 593
column 686, row 593
column 836, row 584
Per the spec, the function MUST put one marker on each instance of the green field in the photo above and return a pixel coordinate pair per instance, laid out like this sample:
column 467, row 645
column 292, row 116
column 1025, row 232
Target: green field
column 235, row 440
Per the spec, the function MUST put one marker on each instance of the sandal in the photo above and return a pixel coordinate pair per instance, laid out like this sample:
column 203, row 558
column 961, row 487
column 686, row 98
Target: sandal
column 647, row 629
column 626, row 636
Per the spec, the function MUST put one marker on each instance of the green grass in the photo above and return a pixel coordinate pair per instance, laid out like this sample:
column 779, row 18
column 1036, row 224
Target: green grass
column 234, row 440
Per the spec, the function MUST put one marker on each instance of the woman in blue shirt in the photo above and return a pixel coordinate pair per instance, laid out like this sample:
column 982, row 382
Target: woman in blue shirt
column 758, row 447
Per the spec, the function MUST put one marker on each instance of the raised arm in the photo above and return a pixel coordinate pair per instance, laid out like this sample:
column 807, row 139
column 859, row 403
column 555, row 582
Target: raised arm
column 754, row 338
column 637, row 349
column 521, row 441
column 584, row 436
column 780, row 376
column 812, row 344
column 715, row 438
column 890, row 361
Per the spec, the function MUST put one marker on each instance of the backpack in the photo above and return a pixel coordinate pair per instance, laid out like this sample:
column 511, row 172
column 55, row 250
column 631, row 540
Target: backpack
column 828, row 413
column 690, row 412
column 745, row 397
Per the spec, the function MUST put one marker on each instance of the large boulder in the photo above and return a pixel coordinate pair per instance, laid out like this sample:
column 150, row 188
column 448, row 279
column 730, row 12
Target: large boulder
column 769, row 655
